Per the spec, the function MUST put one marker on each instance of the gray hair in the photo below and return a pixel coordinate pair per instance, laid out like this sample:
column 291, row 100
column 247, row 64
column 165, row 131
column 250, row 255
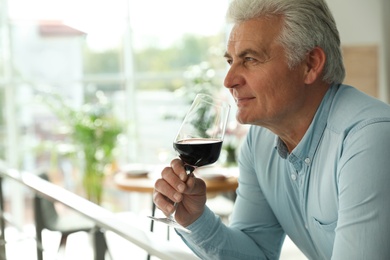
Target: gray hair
column 307, row 24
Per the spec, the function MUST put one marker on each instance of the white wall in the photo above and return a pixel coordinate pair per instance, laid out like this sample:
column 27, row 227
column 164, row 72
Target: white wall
column 386, row 41
column 363, row 22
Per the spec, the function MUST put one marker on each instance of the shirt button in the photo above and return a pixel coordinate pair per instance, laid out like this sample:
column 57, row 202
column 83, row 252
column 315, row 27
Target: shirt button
column 307, row 160
column 293, row 177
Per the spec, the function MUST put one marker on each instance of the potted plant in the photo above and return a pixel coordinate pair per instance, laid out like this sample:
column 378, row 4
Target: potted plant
column 94, row 131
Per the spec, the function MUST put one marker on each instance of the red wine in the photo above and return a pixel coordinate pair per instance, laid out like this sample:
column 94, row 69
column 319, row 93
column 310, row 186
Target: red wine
column 197, row 151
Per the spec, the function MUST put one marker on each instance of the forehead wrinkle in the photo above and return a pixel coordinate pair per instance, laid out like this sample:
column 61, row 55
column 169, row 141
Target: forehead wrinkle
column 244, row 34
column 262, row 52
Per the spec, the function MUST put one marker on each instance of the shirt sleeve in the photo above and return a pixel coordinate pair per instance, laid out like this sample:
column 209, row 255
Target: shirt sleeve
column 254, row 232
column 363, row 227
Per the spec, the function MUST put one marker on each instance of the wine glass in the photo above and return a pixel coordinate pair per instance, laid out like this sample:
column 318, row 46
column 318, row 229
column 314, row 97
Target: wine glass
column 200, row 137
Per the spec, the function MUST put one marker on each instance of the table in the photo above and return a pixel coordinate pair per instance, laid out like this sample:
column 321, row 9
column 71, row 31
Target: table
column 146, row 184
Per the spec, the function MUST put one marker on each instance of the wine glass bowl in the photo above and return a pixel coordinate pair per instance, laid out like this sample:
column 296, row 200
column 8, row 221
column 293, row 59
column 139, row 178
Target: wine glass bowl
column 199, row 139
column 200, row 136
column 198, row 152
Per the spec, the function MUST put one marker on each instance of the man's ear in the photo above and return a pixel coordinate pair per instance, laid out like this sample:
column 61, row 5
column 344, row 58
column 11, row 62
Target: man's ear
column 315, row 62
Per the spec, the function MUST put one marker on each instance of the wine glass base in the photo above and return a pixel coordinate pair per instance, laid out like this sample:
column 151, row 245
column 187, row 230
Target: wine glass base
column 170, row 222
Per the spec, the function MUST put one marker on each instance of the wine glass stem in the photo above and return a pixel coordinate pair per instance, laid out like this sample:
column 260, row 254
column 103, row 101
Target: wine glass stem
column 190, row 172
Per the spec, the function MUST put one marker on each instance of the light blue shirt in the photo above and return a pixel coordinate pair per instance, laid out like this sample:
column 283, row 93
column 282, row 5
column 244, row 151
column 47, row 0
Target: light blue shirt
column 331, row 195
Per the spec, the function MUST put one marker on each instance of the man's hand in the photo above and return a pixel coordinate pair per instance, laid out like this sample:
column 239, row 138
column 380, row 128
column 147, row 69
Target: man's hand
column 188, row 192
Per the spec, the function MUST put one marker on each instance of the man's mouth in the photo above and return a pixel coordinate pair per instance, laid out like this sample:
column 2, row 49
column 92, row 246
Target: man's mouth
column 240, row 101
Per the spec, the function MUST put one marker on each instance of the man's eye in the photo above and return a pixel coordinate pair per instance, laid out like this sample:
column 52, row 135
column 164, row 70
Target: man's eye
column 229, row 62
column 249, row 59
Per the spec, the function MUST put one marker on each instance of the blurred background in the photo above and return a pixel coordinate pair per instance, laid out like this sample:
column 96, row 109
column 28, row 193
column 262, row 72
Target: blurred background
column 70, row 69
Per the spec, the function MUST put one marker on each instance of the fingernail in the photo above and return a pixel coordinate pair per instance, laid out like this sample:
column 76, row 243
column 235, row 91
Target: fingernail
column 170, row 208
column 181, row 187
column 177, row 196
column 183, row 176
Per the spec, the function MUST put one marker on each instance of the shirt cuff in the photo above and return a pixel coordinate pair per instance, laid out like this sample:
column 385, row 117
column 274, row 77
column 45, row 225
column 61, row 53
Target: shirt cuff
column 201, row 227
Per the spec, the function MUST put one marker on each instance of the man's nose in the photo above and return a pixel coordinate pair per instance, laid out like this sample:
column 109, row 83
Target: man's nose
column 232, row 77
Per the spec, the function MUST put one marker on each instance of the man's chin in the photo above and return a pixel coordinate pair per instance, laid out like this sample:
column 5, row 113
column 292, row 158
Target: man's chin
column 245, row 120
column 242, row 120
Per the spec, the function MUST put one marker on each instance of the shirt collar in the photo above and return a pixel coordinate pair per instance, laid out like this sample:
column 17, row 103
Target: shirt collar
column 305, row 150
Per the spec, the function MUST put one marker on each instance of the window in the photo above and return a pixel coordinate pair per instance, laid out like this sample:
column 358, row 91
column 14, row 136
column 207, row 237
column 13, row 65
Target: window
column 147, row 58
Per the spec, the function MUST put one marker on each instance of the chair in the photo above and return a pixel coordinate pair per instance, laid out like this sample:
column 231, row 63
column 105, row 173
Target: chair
column 47, row 217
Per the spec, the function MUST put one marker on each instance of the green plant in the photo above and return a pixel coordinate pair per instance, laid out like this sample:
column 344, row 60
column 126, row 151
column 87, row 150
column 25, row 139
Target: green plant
column 94, row 130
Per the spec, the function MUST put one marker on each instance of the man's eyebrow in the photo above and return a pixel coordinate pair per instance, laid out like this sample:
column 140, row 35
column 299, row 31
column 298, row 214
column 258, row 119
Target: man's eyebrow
column 227, row 55
column 245, row 52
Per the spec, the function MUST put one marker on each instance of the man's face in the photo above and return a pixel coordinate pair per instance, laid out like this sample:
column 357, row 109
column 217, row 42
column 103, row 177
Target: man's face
column 266, row 91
